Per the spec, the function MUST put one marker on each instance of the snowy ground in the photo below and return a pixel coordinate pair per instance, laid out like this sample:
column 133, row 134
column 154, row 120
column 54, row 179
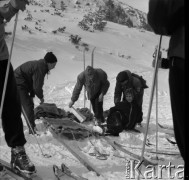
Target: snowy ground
column 117, row 48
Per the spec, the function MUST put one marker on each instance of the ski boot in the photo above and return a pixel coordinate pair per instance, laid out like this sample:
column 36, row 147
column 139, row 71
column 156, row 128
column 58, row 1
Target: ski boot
column 102, row 124
column 20, row 162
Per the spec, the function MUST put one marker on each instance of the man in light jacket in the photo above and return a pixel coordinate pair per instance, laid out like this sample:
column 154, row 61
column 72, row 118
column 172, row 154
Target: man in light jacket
column 96, row 84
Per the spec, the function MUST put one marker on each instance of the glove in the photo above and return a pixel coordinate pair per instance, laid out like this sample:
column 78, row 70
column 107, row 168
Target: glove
column 19, row 4
column 159, row 63
column 159, row 58
column 101, row 97
column 32, row 94
column 71, row 103
column 138, row 89
column 42, row 101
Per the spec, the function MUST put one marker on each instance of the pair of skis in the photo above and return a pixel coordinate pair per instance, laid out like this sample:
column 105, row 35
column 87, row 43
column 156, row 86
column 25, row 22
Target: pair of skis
column 84, row 66
column 18, row 175
column 64, row 173
column 73, row 149
column 82, row 159
column 70, row 145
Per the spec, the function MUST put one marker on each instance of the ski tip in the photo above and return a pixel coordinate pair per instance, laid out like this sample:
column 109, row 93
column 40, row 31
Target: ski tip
column 55, row 170
column 94, row 49
column 172, row 142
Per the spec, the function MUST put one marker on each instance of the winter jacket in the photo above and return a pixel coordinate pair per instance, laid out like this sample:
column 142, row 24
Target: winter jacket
column 100, row 84
column 133, row 83
column 171, row 17
column 30, row 76
column 6, row 13
column 177, row 44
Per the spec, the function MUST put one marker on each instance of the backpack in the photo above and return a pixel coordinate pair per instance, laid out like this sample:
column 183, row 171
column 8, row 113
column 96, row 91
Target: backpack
column 115, row 122
column 143, row 81
column 165, row 16
column 118, row 118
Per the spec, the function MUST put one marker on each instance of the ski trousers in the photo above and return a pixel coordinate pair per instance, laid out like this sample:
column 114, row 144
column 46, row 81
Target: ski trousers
column 177, row 95
column 11, row 115
column 97, row 108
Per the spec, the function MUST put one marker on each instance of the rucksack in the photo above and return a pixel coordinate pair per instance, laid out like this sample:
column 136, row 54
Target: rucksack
column 165, row 16
column 114, row 122
column 143, row 81
column 118, row 118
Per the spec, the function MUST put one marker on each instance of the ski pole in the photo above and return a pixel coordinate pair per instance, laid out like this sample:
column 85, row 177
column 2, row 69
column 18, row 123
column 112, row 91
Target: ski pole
column 92, row 57
column 158, row 58
column 84, row 70
column 8, row 67
column 28, row 122
column 151, row 98
column 92, row 64
column 157, row 116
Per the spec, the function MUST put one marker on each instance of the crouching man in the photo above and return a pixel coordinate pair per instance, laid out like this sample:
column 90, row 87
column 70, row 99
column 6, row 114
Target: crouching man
column 126, row 80
column 30, row 79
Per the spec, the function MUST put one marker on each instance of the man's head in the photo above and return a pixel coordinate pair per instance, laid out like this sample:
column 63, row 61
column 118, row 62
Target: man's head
column 51, row 60
column 129, row 95
column 122, row 77
column 89, row 71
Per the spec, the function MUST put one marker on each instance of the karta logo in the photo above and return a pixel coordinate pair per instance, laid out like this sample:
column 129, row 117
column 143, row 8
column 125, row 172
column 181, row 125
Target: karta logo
column 134, row 170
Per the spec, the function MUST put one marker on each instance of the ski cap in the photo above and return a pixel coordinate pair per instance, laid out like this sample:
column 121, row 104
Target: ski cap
column 122, row 76
column 50, row 58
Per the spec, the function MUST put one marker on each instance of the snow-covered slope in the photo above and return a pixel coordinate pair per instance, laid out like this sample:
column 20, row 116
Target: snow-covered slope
column 117, row 48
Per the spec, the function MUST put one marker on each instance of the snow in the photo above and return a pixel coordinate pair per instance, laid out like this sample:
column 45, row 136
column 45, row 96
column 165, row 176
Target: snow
column 117, row 48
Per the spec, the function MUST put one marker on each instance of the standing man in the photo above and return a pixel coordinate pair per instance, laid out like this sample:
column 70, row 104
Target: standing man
column 11, row 112
column 96, row 84
column 30, row 79
column 124, row 81
column 166, row 17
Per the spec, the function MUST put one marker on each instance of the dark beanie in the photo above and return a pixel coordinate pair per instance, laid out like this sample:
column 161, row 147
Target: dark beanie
column 122, row 76
column 50, row 58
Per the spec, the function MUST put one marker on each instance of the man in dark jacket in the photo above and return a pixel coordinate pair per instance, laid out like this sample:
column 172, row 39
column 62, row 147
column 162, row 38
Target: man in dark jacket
column 167, row 17
column 125, row 81
column 10, row 108
column 30, row 79
column 96, row 84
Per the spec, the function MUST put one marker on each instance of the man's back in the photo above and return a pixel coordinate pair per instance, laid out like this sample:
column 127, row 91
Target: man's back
column 30, row 75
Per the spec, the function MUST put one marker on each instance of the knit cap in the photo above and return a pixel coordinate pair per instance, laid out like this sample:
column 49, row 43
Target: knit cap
column 122, row 76
column 50, row 58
